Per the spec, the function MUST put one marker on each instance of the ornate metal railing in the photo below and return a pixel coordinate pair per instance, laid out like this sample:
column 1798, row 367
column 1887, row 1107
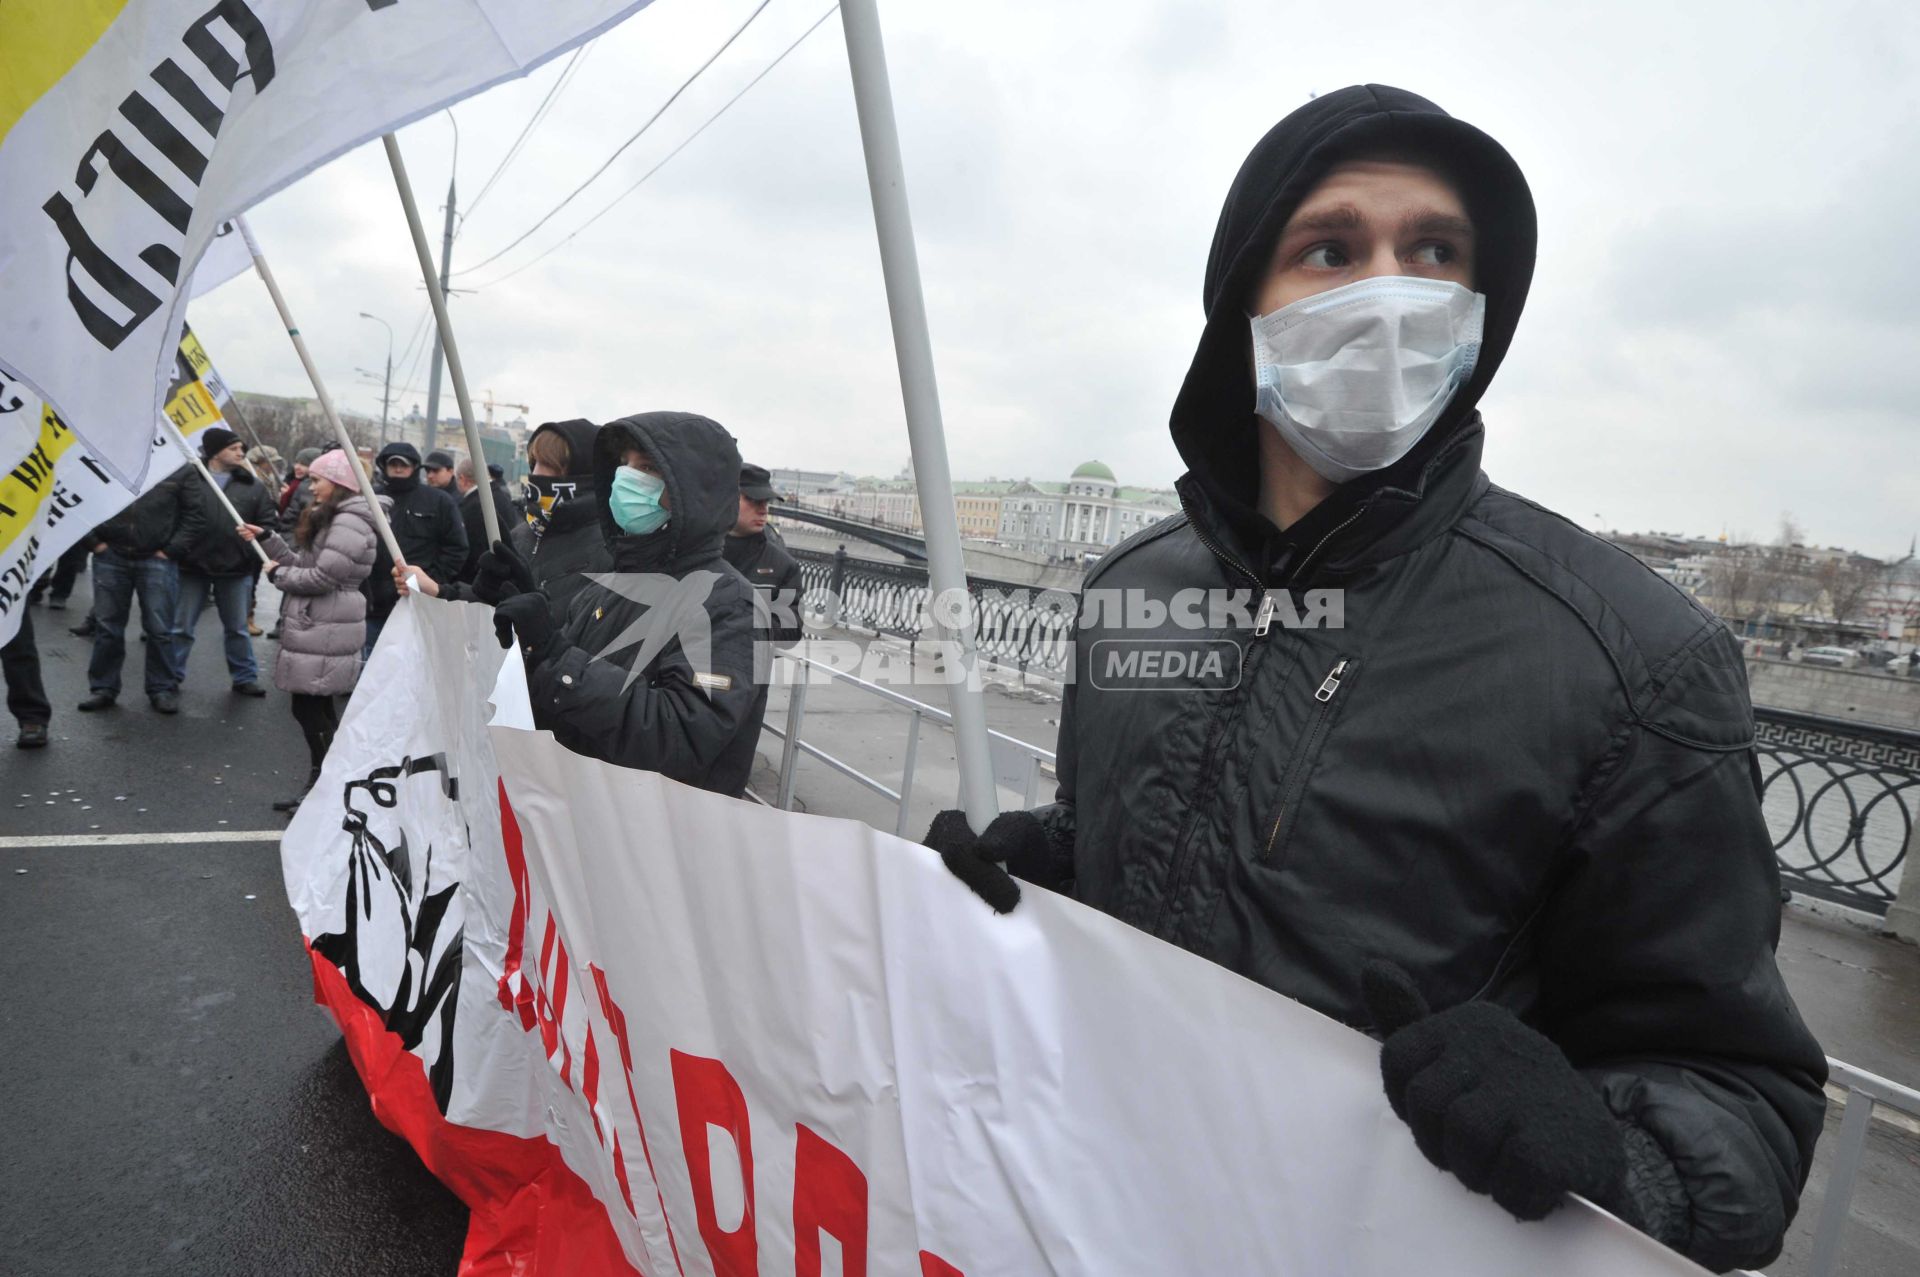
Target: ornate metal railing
column 1841, row 799
column 1021, row 626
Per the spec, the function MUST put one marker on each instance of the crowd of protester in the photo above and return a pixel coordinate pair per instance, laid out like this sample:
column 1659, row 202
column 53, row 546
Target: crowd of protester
column 660, row 493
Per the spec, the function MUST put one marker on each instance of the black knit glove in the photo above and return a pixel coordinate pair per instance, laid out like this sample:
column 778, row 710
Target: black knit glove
column 527, row 617
column 500, row 574
column 1493, row 1101
column 1016, row 840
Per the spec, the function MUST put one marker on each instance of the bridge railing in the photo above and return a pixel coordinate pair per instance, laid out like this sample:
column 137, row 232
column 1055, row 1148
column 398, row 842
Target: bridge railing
column 1022, row 627
column 1842, row 799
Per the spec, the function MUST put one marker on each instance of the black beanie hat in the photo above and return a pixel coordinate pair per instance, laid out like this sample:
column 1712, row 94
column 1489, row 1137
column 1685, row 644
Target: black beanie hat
column 216, row 439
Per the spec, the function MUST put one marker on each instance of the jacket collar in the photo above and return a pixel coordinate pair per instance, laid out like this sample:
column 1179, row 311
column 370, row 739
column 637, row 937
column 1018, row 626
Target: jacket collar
column 1360, row 524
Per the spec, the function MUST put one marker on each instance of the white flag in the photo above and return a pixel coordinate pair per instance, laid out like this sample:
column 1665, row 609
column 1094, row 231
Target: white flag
column 130, row 130
column 229, row 255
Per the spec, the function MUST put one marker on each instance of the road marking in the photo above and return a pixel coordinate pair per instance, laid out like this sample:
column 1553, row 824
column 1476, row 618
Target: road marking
column 139, row 840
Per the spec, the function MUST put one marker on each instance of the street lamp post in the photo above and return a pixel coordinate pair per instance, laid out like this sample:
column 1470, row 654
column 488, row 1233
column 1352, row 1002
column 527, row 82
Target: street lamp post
column 386, row 394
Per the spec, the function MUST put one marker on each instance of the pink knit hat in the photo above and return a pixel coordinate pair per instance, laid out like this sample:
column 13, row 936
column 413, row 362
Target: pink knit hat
column 335, row 468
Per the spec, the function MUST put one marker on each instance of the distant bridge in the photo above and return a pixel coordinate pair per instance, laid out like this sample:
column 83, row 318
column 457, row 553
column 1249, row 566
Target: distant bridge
column 907, row 545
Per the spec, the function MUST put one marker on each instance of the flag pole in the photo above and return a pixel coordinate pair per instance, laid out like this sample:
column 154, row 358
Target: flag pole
column 913, row 351
column 326, row 401
column 192, row 455
column 475, row 451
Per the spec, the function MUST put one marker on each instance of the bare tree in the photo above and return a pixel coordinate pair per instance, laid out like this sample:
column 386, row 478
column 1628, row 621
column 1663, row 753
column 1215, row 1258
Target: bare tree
column 1848, row 583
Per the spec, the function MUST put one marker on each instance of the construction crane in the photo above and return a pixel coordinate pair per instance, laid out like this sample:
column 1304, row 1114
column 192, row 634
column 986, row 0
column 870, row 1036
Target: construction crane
column 489, row 403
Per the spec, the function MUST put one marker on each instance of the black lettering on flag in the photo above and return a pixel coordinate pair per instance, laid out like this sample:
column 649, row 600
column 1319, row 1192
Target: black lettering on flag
column 104, row 271
column 240, row 20
column 166, row 139
column 181, row 88
column 237, row 25
column 139, row 179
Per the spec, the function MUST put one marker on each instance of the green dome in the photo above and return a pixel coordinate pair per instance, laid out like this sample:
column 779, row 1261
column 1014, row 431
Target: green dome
column 1094, row 470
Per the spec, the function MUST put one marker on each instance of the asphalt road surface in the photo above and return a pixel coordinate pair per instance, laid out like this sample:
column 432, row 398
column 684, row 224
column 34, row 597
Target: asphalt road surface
column 176, row 1103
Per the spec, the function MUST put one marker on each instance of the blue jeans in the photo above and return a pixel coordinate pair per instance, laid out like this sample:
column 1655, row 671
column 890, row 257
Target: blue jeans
column 230, row 595
column 116, row 580
column 373, row 636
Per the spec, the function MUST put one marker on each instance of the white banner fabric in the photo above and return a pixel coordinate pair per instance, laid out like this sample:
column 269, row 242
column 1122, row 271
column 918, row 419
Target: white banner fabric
column 762, row 1040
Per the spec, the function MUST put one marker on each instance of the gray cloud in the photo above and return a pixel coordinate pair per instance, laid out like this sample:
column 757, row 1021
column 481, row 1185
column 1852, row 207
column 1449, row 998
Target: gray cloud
column 1718, row 330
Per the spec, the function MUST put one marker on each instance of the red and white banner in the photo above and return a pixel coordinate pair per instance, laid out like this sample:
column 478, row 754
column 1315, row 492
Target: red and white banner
column 640, row 1028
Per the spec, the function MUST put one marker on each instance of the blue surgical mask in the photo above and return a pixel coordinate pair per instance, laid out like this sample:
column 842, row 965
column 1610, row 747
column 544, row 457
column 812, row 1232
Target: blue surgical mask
column 635, row 501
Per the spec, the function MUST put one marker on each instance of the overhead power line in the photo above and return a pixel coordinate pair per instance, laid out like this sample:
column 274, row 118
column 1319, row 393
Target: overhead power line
column 533, row 121
column 621, row 149
column 664, row 161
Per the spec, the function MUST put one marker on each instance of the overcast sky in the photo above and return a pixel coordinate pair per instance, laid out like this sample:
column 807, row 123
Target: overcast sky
column 1724, row 325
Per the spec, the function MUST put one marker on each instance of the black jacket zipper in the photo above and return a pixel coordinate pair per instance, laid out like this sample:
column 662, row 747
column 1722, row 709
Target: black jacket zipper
column 1293, row 784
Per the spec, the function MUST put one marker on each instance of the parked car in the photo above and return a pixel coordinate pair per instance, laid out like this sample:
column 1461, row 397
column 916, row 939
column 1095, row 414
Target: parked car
column 1844, row 658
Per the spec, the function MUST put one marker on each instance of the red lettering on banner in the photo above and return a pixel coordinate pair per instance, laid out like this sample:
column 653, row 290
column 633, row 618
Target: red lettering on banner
column 513, row 990
column 590, row 1089
column 932, row 1265
column 706, row 1095
column 617, row 1021
column 829, row 1195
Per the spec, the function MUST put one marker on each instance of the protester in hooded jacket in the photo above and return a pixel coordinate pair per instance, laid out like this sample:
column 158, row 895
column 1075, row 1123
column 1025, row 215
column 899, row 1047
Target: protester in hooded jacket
column 1516, row 784
column 560, row 539
column 652, row 666
column 323, row 615
column 426, row 523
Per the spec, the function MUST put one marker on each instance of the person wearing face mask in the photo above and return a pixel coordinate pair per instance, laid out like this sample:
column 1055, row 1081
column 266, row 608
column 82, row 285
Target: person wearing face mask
column 1503, row 813
column 560, row 537
column 426, row 523
column 652, row 664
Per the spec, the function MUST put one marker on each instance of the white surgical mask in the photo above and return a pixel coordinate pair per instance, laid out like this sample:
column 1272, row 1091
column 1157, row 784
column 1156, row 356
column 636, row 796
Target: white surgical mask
column 1352, row 378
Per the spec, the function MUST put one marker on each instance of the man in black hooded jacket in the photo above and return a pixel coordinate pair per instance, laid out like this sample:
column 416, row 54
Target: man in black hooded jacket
column 426, row 523
column 651, row 665
column 1516, row 784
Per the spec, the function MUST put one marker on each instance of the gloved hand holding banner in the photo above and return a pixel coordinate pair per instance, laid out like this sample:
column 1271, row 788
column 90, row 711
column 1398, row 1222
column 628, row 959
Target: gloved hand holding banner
column 642, row 1028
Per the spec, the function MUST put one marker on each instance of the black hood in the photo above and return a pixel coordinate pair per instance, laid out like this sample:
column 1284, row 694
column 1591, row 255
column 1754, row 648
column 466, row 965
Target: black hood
column 700, row 463
column 579, row 435
column 1213, row 422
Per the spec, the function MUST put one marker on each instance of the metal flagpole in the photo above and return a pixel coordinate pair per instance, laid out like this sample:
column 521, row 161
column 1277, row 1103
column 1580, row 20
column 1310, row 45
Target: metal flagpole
column 946, row 569
column 326, row 400
column 488, row 515
column 192, row 455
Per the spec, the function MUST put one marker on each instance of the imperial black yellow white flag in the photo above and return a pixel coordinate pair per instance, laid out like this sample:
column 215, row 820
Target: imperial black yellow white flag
column 131, row 129
column 53, row 491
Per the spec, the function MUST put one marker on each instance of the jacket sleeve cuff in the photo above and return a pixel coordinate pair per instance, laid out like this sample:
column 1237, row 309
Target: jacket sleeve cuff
column 555, row 682
column 1652, row 1198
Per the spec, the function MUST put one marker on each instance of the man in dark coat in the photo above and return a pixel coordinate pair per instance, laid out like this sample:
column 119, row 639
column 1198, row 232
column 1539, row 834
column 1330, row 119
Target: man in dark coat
column 426, row 523
column 1514, row 783
column 757, row 553
column 218, row 562
column 473, row 519
column 138, row 552
column 652, row 665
